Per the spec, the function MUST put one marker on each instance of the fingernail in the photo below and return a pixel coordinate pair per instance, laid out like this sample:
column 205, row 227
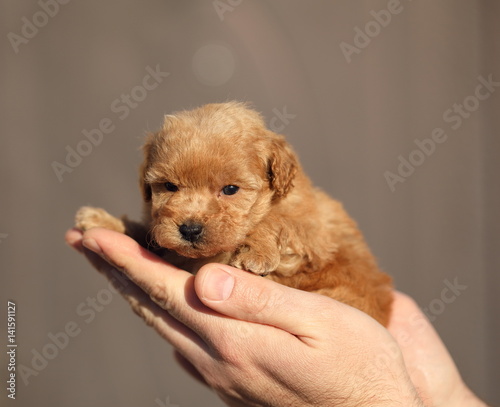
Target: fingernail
column 217, row 285
column 91, row 244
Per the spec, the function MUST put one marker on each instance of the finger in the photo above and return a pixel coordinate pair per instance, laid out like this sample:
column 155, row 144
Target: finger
column 426, row 357
column 171, row 288
column 179, row 335
column 413, row 331
column 163, row 282
column 408, row 324
column 73, row 238
column 248, row 297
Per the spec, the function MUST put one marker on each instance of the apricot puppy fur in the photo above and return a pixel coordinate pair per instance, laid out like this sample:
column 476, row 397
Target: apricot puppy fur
column 220, row 187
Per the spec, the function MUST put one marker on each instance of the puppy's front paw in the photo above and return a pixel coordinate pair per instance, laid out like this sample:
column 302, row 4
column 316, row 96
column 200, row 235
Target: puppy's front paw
column 88, row 217
column 257, row 262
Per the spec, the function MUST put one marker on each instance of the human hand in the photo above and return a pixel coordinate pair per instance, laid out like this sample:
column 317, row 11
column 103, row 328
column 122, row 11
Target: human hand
column 266, row 344
column 427, row 360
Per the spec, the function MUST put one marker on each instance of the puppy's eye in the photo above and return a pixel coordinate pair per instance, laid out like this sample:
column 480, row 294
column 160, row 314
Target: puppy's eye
column 230, row 189
column 171, row 187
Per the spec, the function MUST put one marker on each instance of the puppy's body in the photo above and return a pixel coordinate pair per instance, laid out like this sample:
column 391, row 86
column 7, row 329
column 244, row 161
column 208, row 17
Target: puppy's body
column 219, row 187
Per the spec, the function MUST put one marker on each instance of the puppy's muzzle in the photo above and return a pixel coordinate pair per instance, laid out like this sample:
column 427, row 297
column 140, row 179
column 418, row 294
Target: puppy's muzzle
column 191, row 231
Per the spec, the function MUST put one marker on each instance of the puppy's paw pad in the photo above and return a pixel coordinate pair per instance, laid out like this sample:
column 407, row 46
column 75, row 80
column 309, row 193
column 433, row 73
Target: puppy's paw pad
column 249, row 260
column 88, row 217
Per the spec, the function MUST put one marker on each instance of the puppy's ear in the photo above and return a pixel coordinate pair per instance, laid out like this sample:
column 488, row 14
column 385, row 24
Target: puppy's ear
column 282, row 166
column 147, row 149
column 150, row 150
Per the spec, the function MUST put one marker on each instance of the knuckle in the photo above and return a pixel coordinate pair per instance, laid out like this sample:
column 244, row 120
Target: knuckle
column 223, row 384
column 232, row 349
column 140, row 310
column 225, row 346
column 264, row 301
column 231, row 355
column 160, row 295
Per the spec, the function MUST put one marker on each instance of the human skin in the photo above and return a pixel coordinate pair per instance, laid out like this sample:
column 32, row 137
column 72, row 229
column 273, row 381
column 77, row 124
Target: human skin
column 259, row 343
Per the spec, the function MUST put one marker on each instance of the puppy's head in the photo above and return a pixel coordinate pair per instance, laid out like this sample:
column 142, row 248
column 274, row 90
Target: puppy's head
column 210, row 175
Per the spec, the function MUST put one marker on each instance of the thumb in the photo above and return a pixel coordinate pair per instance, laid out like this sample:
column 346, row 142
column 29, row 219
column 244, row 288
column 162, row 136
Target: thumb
column 245, row 296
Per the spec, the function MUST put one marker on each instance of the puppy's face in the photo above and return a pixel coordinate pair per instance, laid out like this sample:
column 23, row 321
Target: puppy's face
column 210, row 176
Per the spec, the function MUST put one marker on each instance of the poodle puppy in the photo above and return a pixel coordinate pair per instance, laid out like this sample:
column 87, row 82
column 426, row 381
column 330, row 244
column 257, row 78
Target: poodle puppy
column 218, row 186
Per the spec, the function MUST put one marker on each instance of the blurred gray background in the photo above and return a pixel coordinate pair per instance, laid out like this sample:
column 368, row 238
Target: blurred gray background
column 355, row 89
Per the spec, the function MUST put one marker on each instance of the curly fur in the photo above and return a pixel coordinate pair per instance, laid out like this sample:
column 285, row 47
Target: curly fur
column 277, row 224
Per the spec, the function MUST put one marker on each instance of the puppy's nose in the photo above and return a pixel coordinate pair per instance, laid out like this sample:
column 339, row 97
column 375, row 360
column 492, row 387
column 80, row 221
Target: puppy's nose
column 191, row 231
